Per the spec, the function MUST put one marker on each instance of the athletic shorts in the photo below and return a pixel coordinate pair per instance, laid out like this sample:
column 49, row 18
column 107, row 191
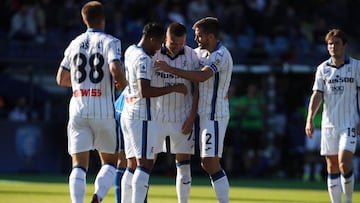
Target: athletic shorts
column 333, row 140
column 140, row 138
column 212, row 134
column 314, row 143
column 88, row 134
column 179, row 142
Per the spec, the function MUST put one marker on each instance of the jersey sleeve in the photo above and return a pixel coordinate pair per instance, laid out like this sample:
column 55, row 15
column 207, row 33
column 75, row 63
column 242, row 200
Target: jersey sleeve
column 219, row 61
column 144, row 67
column 319, row 82
column 114, row 51
column 357, row 73
column 65, row 62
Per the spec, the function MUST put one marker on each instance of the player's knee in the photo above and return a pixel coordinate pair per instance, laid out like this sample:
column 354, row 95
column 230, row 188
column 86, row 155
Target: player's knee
column 345, row 167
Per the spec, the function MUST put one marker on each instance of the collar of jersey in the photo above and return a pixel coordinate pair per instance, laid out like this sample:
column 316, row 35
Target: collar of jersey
column 163, row 51
column 146, row 52
column 94, row 30
column 346, row 61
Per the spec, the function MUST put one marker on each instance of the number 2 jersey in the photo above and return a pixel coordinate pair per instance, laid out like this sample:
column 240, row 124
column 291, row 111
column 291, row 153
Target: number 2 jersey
column 339, row 86
column 87, row 58
column 213, row 98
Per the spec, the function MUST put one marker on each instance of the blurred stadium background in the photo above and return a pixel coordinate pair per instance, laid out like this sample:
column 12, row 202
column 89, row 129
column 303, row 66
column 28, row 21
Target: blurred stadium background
column 275, row 44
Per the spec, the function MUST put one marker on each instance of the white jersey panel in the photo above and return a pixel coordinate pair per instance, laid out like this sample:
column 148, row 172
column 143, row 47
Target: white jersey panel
column 340, row 91
column 174, row 107
column 138, row 65
column 213, row 99
column 87, row 58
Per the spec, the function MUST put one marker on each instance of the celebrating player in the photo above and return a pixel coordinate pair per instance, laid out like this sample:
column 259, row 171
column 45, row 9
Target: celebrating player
column 177, row 112
column 336, row 84
column 213, row 108
column 140, row 130
column 91, row 63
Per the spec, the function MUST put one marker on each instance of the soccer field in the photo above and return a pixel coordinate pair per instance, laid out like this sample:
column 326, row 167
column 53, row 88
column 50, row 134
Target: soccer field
column 30, row 188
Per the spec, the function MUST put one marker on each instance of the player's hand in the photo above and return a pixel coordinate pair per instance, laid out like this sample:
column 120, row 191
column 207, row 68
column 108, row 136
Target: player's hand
column 187, row 126
column 117, row 85
column 358, row 129
column 181, row 88
column 161, row 65
column 309, row 129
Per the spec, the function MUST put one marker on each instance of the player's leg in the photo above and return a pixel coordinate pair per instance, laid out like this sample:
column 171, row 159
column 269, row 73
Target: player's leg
column 126, row 181
column 347, row 147
column 79, row 143
column 105, row 176
column 347, row 176
column 145, row 144
column 330, row 149
column 140, row 181
column 183, row 146
column 120, row 170
column 333, row 179
column 121, row 165
column 106, row 142
column 183, row 177
column 212, row 135
column 77, row 177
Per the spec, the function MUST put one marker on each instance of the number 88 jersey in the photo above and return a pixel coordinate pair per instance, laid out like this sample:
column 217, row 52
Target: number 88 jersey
column 87, row 58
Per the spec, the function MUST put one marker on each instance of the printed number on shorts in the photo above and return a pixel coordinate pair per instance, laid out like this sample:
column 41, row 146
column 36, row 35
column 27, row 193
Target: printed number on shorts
column 96, row 61
column 352, row 132
column 208, row 138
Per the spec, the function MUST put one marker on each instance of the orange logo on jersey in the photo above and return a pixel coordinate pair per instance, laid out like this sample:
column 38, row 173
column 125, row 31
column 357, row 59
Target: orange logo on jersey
column 87, row 93
column 131, row 99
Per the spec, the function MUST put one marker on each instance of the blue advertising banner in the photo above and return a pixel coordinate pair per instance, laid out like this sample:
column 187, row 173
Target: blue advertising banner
column 33, row 147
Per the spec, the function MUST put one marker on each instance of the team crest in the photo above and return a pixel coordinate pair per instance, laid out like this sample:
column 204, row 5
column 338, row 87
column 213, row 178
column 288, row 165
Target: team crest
column 143, row 69
column 184, row 63
column 217, row 62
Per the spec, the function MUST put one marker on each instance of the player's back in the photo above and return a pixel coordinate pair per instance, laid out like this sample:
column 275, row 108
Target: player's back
column 88, row 57
column 213, row 99
column 138, row 65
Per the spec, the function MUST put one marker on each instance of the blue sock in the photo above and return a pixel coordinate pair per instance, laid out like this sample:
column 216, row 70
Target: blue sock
column 117, row 184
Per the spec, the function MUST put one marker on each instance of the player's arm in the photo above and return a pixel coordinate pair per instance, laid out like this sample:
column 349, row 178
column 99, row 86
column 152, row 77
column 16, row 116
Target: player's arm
column 118, row 73
column 189, row 122
column 63, row 77
column 194, row 75
column 315, row 102
column 146, row 90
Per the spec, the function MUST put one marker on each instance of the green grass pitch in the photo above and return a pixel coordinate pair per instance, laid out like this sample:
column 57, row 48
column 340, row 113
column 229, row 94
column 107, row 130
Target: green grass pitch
column 48, row 188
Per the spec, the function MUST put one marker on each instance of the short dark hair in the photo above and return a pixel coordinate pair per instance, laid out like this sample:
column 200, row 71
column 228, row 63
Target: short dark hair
column 93, row 12
column 177, row 29
column 336, row 33
column 153, row 30
column 208, row 25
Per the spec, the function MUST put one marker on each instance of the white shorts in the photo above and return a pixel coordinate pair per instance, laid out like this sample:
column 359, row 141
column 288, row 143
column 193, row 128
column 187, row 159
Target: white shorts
column 212, row 134
column 140, row 138
column 88, row 134
column 314, row 143
column 333, row 140
column 179, row 143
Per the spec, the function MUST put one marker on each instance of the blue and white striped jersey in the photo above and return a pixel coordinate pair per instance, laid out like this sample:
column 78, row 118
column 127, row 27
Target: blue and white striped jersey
column 138, row 65
column 213, row 99
column 174, row 107
column 87, row 58
column 340, row 92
